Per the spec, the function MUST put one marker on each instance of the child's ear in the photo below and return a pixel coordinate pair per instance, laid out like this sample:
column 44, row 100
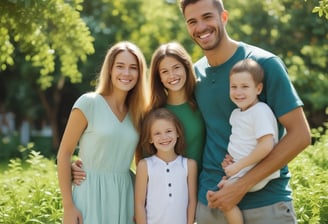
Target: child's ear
column 259, row 88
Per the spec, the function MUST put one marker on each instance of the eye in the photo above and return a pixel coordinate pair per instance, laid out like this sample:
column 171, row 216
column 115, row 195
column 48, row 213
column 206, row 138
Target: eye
column 169, row 130
column 208, row 16
column 163, row 72
column 134, row 67
column 191, row 22
column 177, row 67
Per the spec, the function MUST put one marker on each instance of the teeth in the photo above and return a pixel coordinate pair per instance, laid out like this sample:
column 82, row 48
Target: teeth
column 165, row 143
column 174, row 82
column 204, row 35
column 125, row 80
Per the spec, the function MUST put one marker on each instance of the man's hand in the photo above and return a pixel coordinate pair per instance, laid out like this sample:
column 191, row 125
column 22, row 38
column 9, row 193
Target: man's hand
column 227, row 197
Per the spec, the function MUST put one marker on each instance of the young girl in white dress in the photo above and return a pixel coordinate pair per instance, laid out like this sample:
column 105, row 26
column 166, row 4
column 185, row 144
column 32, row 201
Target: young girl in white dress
column 166, row 182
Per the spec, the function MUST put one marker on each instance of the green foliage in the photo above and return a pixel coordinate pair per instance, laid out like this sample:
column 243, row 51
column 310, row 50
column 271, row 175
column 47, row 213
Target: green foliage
column 163, row 22
column 54, row 37
column 44, row 31
column 9, row 146
column 309, row 181
column 321, row 9
column 289, row 29
column 29, row 192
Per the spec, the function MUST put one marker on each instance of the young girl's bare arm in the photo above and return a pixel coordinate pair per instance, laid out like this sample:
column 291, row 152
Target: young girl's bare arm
column 192, row 191
column 141, row 192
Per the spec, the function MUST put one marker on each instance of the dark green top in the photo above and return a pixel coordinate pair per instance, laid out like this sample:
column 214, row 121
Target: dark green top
column 194, row 129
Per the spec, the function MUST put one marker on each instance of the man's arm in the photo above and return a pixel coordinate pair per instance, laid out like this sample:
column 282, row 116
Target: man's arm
column 297, row 138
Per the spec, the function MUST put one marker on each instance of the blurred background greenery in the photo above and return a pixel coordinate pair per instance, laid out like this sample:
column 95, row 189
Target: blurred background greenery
column 52, row 50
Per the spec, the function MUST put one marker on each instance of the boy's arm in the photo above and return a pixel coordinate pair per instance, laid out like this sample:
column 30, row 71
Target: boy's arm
column 192, row 191
column 141, row 192
column 263, row 147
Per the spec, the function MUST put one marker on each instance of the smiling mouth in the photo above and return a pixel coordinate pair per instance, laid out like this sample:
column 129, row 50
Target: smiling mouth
column 204, row 36
column 239, row 99
column 174, row 82
column 125, row 80
column 165, row 143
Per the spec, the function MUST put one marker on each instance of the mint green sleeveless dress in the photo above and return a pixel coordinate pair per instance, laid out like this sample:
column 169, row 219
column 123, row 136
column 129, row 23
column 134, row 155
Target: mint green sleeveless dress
column 106, row 148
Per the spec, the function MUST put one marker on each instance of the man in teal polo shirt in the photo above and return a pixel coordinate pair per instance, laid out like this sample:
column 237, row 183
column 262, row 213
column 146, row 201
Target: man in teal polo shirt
column 206, row 21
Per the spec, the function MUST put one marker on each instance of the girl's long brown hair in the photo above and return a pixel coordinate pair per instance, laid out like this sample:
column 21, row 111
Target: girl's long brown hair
column 158, row 93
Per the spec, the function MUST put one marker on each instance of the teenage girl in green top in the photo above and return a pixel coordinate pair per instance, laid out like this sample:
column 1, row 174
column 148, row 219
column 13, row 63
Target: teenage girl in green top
column 172, row 84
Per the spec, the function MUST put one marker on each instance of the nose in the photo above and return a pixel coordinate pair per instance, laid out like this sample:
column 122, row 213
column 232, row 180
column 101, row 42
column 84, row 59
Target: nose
column 171, row 73
column 126, row 71
column 200, row 26
column 239, row 91
column 164, row 136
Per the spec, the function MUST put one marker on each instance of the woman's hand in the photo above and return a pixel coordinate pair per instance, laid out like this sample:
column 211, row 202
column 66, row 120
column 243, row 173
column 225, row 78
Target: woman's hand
column 72, row 215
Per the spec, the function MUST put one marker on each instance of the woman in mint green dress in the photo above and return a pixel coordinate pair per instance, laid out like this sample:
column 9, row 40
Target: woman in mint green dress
column 105, row 126
column 172, row 84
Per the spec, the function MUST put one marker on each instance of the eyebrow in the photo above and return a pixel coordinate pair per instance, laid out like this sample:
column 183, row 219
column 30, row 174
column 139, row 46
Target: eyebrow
column 124, row 63
column 203, row 15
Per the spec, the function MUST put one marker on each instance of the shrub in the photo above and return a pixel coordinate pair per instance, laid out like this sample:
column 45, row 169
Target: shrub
column 30, row 192
column 309, row 182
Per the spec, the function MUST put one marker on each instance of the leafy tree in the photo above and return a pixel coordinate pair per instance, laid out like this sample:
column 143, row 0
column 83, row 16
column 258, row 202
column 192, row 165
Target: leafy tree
column 52, row 38
column 321, row 9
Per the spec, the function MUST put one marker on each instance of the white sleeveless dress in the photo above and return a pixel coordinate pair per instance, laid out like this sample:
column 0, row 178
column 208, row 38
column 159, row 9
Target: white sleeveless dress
column 167, row 191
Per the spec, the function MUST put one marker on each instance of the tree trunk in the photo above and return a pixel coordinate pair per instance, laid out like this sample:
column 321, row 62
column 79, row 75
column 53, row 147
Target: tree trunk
column 52, row 107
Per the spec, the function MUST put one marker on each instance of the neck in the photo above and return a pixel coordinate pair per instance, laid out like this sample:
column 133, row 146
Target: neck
column 167, row 156
column 221, row 53
column 176, row 97
column 117, row 103
column 250, row 105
